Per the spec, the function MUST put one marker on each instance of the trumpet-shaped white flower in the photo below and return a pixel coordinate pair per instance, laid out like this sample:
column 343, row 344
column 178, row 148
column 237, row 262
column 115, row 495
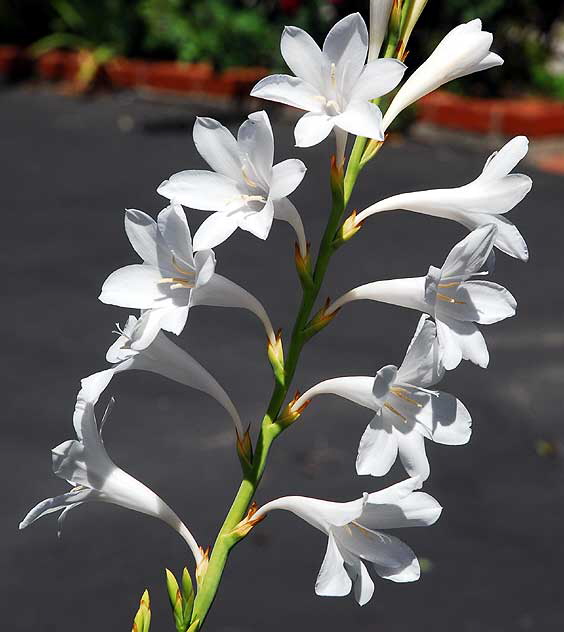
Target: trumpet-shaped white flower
column 354, row 534
column 450, row 297
column 171, row 278
column 406, row 410
column 462, row 51
column 483, row 201
column 85, row 464
column 244, row 189
column 163, row 357
column 333, row 85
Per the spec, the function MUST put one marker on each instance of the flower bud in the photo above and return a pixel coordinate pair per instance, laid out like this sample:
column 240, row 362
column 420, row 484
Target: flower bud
column 175, row 598
column 187, row 595
column 245, row 450
column 411, row 18
column 202, row 566
column 290, row 414
column 303, row 266
column 276, row 356
column 348, row 230
column 142, row 620
column 320, row 320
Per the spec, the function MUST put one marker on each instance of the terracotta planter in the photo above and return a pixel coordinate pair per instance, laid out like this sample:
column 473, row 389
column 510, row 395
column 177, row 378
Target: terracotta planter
column 127, row 73
column 178, row 76
column 12, row 61
column 530, row 116
column 57, row 65
column 239, row 81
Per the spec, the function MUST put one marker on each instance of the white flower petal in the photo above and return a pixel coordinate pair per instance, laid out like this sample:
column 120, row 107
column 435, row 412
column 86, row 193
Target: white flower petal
column 363, row 584
column 346, row 46
column 312, row 128
column 303, row 56
column 141, row 230
column 214, row 230
column 391, row 557
column 64, row 501
column 217, row 146
column 290, row 91
column 508, row 238
column 174, row 229
column 491, row 301
column 332, row 580
column 501, row 162
column 285, row 210
column 378, row 448
column 469, row 255
column 204, row 190
column 411, row 448
column 447, row 419
column 421, row 365
column 256, row 145
column 286, row 177
column 466, row 338
column 136, row 286
column 378, row 78
column 361, row 118
column 259, row 224
column 221, row 292
column 450, row 350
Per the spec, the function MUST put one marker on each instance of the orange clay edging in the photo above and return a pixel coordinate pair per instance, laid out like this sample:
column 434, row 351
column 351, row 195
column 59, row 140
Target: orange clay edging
column 168, row 76
column 533, row 117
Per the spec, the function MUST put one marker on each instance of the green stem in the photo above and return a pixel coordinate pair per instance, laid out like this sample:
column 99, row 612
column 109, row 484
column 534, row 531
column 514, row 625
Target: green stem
column 354, row 166
column 270, row 428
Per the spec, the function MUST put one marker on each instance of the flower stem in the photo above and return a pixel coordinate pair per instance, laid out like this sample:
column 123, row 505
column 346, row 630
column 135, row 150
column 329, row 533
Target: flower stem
column 270, row 428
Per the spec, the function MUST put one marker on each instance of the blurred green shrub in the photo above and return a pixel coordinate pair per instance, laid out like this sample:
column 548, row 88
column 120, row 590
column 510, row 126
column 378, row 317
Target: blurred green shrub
column 247, row 32
column 223, row 32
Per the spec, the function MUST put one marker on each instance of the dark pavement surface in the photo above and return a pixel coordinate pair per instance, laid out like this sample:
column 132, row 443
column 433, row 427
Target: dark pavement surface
column 495, row 556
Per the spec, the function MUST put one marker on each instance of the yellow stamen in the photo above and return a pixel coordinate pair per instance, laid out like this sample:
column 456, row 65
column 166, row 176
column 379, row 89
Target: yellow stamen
column 401, row 393
column 176, row 282
column 180, row 269
column 393, row 410
column 449, row 299
column 453, row 284
column 246, row 178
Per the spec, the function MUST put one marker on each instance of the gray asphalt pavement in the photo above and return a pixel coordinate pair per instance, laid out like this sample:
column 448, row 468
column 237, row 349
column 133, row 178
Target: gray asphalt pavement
column 494, row 560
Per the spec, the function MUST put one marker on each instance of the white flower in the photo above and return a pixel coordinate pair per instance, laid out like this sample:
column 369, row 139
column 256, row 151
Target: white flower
column 406, row 411
column 354, row 534
column 334, row 85
column 447, row 294
column 244, row 189
column 462, row 51
column 85, row 464
column 171, row 278
column 380, row 11
column 163, row 357
column 483, row 201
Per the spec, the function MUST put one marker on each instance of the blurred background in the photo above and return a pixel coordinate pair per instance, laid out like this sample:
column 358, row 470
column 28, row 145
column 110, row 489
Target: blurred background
column 97, row 103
